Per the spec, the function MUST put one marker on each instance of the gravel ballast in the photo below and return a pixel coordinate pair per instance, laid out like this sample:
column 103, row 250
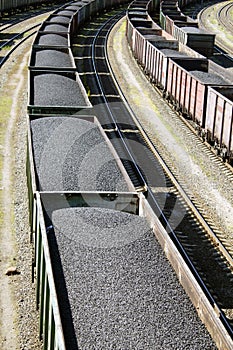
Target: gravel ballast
column 50, row 89
column 120, row 290
column 70, row 154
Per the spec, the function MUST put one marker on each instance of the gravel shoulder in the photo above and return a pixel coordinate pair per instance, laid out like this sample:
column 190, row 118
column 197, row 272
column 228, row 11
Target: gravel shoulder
column 17, row 296
column 18, row 313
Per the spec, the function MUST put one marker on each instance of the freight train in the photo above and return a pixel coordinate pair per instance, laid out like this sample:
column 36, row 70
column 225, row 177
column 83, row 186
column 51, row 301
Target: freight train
column 176, row 59
column 91, row 230
column 61, row 136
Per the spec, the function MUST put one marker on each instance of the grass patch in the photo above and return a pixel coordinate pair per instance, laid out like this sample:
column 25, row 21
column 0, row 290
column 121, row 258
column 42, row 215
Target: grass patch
column 5, row 107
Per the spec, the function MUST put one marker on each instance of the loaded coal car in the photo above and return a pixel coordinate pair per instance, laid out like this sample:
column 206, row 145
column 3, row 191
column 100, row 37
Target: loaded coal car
column 53, row 82
column 103, row 280
column 55, row 40
column 69, row 153
column 198, row 39
column 64, row 17
column 185, row 29
column 51, row 28
column 52, row 59
column 72, row 154
column 53, row 91
column 51, row 47
column 187, row 86
column 157, row 56
column 219, row 120
column 142, row 35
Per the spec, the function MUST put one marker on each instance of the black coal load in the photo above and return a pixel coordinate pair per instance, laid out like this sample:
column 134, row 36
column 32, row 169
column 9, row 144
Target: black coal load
column 74, row 8
column 52, row 40
column 51, row 89
column 209, row 78
column 173, row 53
column 60, row 19
column 68, row 13
column 70, row 154
column 57, row 28
column 115, row 287
column 52, row 58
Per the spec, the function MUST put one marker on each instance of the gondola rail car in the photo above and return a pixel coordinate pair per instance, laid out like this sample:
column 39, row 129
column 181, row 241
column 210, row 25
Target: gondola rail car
column 185, row 29
column 219, row 120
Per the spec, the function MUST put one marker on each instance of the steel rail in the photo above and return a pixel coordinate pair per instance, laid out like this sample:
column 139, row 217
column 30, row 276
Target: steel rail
column 224, row 18
column 168, row 227
column 23, row 17
column 106, row 102
column 14, row 23
column 222, row 45
column 14, row 37
column 6, row 57
column 184, row 195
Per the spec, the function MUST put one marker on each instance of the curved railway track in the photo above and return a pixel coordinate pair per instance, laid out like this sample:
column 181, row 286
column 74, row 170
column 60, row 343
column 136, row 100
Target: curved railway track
column 208, row 17
column 187, row 227
column 8, row 23
column 13, row 32
column 224, row 16
column 10, row 41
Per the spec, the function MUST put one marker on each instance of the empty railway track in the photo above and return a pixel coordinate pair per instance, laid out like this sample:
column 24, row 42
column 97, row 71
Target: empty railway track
column 10, row 41
column 15, row 31
column 222, row 14
column 195, row 238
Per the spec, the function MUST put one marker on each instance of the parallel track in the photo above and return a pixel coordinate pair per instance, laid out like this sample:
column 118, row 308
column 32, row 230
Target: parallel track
column 223, row 18
column 12, row 41
column 187, row 228
column 11, row 36
column 20, row 14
